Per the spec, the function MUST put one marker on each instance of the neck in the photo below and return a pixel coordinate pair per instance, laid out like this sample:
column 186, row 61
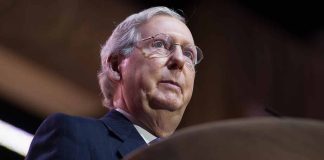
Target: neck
column 150, row 122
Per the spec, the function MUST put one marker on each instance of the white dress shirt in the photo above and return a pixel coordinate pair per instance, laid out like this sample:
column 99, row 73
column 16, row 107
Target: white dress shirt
column 147, row 136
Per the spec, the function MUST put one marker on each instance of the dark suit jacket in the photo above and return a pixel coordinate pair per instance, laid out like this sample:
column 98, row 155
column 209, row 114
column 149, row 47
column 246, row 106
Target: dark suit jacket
column 65, row 137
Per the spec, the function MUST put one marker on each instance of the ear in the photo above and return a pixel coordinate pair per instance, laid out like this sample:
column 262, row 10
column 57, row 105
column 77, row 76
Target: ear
column 113, row 63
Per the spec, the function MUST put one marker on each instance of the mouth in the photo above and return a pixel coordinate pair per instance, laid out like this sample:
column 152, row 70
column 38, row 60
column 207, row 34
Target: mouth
column 173, row 83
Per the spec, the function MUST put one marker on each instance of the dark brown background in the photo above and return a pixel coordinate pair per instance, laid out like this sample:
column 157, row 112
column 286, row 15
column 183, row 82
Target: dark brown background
column 257, row 55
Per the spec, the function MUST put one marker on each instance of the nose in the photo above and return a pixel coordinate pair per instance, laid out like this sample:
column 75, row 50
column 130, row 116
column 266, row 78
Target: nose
column 176, row 59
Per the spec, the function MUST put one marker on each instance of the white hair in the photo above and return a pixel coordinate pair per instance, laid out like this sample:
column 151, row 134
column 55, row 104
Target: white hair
column 121, row 42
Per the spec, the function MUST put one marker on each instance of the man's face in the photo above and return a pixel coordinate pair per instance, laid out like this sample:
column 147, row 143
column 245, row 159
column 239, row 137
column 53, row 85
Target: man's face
column 156, row 91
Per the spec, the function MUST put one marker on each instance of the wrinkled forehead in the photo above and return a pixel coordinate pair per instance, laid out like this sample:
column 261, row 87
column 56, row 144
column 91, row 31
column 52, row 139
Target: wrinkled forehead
column 166, row 25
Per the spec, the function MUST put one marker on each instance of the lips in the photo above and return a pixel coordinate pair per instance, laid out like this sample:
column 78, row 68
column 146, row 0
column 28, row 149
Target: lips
column 172, row 83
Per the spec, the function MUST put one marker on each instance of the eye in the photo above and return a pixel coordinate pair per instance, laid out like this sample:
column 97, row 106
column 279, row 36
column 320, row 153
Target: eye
column 189, row 54
column 159, row 43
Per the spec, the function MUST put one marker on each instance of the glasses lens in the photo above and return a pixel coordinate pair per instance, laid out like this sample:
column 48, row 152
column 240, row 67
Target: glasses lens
column 190, row 53
column 193, row 53
column 199, row 54
column 161, row 44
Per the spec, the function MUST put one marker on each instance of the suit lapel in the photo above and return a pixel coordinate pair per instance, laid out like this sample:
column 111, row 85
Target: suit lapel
column 124, row 130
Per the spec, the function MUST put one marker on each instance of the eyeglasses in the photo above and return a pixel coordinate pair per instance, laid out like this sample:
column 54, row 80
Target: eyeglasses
column 162, row 45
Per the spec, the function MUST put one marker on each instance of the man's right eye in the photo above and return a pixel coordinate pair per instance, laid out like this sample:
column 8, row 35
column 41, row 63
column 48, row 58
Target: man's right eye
column 159, row 44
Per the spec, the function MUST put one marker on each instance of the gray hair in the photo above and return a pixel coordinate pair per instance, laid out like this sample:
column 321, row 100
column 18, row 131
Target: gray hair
column 121, row 42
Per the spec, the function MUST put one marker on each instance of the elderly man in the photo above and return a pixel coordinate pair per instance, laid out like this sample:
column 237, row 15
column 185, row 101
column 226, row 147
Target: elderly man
column 147, row 79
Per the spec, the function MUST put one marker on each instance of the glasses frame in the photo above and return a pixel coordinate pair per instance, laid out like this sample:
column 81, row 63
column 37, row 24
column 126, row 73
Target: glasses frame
column 199, row 53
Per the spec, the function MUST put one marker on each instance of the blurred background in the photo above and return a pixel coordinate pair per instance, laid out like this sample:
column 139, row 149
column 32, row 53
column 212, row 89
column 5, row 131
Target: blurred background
column 259, row 55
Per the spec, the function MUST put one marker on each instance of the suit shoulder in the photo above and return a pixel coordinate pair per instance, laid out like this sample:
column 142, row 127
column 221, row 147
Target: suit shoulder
column 67, row 119
column 58, row 136
column 67, row 124
column 56, row 118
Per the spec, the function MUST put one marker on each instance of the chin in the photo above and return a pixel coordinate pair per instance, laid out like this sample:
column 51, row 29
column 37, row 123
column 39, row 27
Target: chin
column 164, row 104
column 170, row 102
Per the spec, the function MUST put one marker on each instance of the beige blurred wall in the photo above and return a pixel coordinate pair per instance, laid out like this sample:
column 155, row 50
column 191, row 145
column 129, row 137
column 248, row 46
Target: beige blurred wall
column 250, row 62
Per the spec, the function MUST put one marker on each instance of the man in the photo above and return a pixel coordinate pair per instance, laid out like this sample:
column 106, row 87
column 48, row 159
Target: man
column 147, row 78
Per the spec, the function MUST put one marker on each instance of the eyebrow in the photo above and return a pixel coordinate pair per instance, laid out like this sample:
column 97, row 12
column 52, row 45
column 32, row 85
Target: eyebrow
column 186, row 42
column 144, row 39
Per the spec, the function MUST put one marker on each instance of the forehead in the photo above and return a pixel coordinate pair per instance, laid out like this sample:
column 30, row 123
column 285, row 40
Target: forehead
column 167, row 25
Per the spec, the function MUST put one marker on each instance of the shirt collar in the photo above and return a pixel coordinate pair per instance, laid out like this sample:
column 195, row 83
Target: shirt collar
column 147, row 136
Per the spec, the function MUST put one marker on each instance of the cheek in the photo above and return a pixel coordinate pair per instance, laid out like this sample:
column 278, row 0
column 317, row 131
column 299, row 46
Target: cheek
column 148, row 75
column 190, row 79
